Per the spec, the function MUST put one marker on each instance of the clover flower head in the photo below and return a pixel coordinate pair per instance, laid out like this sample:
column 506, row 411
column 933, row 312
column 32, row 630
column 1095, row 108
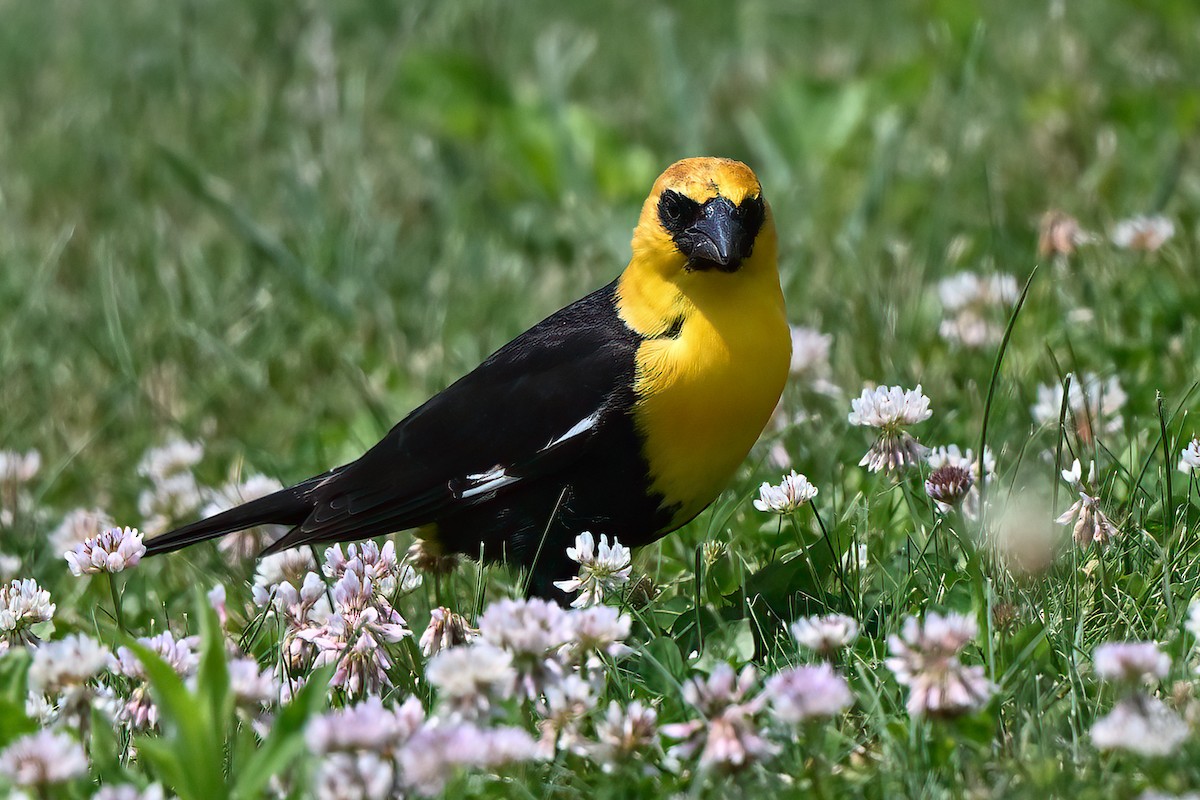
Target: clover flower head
column 180, row 655
column 728, row 738
column 1140, row 724
column 1090, row 524
column 1189, row 460
column 79, row 526
column 17, row 469
column 925, row 657
column 446, row 629
column 826, row 634
column 1131, row 662
column 1093, row 404
column 471, row 680
column 127, row 791
column 1059, row 233
column 1146, row 233
column 437, row 752
column 625, row 732
column 971, row 301
column 792, row 492
column 807, row 692
column 114, row 550
column 595, row 630
column 602, row 569
column 367, row 726
column 43, row 759
column 70, row 662
column 891, row 409
column 252, row 686
column 810, row 353
column 23, row 604
column 533, row 631
column 429, row 558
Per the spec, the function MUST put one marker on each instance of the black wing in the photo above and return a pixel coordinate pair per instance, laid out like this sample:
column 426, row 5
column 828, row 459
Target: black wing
column 532, row 408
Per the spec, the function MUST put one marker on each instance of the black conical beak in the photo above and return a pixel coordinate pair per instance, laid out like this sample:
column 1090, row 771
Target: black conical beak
column 721, row 237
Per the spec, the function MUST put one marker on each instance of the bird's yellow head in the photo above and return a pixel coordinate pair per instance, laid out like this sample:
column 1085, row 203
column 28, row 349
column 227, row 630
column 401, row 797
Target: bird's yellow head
column 705, row 230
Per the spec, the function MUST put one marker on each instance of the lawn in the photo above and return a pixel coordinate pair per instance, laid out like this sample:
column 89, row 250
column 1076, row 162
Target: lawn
column 239, row 241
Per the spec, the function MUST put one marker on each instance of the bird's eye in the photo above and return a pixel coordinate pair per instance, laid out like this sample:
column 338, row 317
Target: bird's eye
column 676, row 211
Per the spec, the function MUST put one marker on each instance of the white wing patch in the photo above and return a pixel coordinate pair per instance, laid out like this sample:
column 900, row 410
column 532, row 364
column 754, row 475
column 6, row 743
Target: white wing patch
column 489, row 481
column 583, row 426
column 497, row 477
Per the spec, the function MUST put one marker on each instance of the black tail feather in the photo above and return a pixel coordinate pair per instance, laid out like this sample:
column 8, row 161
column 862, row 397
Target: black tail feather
column 288, row 506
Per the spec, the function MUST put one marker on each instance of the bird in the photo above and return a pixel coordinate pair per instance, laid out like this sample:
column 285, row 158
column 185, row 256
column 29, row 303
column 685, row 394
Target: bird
column 626, row 412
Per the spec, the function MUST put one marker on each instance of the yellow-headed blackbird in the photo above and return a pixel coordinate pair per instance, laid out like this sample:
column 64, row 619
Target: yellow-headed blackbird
column 624, row 413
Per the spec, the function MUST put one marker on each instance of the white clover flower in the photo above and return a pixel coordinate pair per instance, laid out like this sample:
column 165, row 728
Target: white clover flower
column 533, row 631
column 953, row 482
column 1094, row 405
column 971, row 301
column 601, row 570
column 1189, row 460
column 1145, row 233
column 176, row 457
column 1141, row 724
column 290, row 566
column 79, row 526
column 1090, row 522
column 367, row 726
column 564, row 707
column 967, row 289
column 371, row 562
column 43, row 759
column 472, row 680
column 68, row 663
column 625, row 733
column 355, row 776
column 1060, row 234
column 248, row 543
column 890, row 409
column 826, row 634
column 807, row 692
column 792, row 492
column 129, row 792
column 180, row 655
column 925, row 659
column 23, row 604
column 446, row 629
column 114, row 550
column 252, row 686
column 1192, row 625
column 1131, row 662
column 19, row 468
column 810, row 359
column 728, row 737
column 350, row 637
column 428, row 557
column 594, row 630
column 436, row 752
column 174, row 492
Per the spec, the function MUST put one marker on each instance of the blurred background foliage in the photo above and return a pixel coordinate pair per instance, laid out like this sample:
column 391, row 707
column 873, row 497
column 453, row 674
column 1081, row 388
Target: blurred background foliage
column 277, row 226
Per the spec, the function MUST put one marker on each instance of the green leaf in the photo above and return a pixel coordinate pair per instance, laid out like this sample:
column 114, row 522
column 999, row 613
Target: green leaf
column 285, row 742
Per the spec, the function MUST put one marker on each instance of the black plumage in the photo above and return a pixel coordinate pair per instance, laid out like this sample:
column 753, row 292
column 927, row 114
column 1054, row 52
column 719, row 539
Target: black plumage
column 512, row 461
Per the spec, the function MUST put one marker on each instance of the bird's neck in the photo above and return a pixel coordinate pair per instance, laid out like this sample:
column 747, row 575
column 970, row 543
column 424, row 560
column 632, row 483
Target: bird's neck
column 654, row 294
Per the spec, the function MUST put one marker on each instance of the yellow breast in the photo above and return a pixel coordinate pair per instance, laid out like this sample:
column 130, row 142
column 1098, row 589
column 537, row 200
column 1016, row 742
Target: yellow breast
column 706, row 395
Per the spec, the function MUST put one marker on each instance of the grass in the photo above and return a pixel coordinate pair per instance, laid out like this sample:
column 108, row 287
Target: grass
column 276, row 228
